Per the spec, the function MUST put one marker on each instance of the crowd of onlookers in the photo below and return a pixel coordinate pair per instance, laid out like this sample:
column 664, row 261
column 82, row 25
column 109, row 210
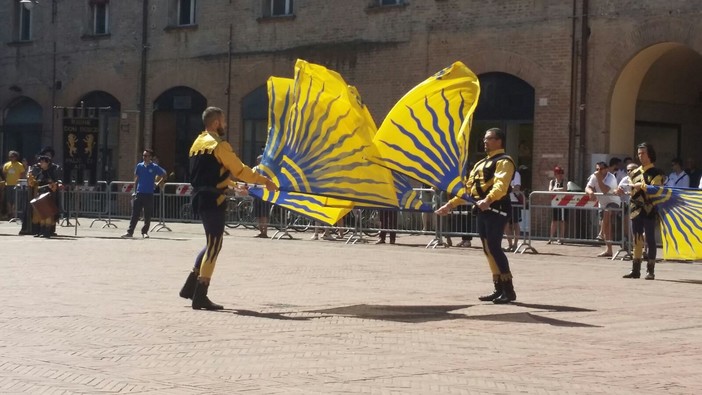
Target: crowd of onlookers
column 606, row 184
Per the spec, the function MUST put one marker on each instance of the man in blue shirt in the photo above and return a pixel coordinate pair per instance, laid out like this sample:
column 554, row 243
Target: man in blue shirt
column 145, row 180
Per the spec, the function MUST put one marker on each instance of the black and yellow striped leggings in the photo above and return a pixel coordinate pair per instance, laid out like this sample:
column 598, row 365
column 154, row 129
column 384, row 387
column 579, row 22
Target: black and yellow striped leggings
column 213, row 222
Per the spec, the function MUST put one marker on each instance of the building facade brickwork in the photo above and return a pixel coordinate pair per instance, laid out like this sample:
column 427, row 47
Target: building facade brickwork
column 573, row 55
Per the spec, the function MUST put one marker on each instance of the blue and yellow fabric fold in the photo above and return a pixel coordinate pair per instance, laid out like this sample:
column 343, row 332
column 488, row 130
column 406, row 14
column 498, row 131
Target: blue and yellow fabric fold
column 320, row 138
column 680, row 213
column 425, row 135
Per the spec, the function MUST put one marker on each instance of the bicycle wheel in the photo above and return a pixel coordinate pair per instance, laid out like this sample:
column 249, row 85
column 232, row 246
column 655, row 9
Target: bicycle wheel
column 245, row 213
column 298, row 222
column 231, row 216
column 370, row 222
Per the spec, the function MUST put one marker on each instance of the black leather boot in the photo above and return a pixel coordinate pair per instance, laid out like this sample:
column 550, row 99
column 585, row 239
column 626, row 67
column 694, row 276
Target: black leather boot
column 650, row 270
column 635, row 269
column 200, row 299
column 507, row 295
column 497, row 292
column 189, row 287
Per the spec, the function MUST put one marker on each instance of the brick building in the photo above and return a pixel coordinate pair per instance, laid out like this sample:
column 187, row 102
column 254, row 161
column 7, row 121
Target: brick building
column 571, row 81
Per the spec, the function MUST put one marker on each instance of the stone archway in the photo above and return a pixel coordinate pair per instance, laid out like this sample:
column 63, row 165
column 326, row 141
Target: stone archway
column 658, row 97
column 23, row 128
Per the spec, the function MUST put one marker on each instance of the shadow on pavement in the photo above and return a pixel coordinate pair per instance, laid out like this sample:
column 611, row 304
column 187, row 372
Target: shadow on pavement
column 419, row 314
column 697, row 282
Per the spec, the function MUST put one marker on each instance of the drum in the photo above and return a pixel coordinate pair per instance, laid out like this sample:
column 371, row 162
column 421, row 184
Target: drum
column 45, row 205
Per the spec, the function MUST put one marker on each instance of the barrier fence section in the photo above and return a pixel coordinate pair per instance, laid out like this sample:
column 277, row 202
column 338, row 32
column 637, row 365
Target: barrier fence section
column 565, row 217
column 21, row 200
column 86, row 201
column 575, row 217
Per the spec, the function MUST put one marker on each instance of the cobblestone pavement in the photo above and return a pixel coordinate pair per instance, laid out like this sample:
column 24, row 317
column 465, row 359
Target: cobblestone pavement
column 96, row 314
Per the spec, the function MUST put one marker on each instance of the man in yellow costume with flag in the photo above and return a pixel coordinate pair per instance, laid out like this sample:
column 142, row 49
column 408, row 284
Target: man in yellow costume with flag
column 489, row 184
column 212, row 162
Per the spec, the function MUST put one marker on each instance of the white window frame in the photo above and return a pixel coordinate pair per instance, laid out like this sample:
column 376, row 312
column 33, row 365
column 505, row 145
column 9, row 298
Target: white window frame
column 288, row 8
column 192, row 13
column 95, row 18
column 21, row 25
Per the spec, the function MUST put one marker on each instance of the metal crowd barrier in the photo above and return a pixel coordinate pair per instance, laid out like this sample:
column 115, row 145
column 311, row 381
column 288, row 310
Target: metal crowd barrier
column 580, row 214
column 542, row 211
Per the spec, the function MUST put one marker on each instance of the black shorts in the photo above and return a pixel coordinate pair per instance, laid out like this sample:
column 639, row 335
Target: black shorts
column 560, row 214
column 10, row 194
column 514, row 215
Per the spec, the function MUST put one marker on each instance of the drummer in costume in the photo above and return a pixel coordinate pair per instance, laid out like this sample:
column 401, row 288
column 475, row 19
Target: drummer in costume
column 489, row 184
column 45, row 178
column 212, row 162
column 643, row 214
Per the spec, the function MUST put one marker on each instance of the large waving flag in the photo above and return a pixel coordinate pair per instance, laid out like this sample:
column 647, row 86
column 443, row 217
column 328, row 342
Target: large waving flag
column 327, row 141
column 680, row 211
column 326, row 136
column 425, row 135
column 320, row 208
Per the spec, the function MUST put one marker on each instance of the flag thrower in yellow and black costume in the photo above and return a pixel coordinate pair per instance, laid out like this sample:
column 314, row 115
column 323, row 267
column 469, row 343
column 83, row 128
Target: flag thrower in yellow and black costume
column 680, row 212
column 319, row 142
column 425, row 135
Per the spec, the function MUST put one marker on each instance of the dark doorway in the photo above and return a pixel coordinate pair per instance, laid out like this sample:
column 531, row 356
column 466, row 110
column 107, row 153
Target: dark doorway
column 506, row 102
column 177, row 121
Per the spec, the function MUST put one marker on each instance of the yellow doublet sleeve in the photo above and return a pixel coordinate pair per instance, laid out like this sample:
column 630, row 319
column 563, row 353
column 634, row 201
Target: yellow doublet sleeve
column 504, row 170
column 228, row 159
column 458, row 201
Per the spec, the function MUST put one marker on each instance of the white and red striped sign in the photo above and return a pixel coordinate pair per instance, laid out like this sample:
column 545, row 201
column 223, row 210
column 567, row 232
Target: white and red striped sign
column 568, row 200
column 184, row 190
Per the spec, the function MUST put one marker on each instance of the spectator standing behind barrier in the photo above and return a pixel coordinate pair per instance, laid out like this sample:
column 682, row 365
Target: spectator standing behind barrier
column 559, row 216
column 388, row 220
column 261, row 208
column 212, row 163
column 678, row 178
column 515, row 215
column 604, row 182
column 145, row 175
column 489, row 183
column 12, row 171
column 643, row 212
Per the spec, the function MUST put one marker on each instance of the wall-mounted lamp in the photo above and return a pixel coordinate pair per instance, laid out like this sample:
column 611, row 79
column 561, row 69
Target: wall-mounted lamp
column 28, row 4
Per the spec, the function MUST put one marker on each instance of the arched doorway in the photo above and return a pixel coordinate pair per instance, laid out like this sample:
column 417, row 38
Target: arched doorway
column 106, row 108
column 658, row 98
column 177, row 121
column 506, row 102
column 22, row 128
column 255, row 116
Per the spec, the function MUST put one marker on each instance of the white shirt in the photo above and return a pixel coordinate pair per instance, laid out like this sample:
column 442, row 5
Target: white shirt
column 678, row 180
column 620, row 175
column 625, row 185
column 611, row 181
column 516, row 181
